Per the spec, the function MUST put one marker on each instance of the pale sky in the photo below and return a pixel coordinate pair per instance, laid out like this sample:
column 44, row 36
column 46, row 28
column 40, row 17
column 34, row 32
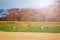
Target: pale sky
column 7, row 4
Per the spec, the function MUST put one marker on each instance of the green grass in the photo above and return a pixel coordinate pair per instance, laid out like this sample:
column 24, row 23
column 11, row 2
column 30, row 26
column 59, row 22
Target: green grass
column 30, row 27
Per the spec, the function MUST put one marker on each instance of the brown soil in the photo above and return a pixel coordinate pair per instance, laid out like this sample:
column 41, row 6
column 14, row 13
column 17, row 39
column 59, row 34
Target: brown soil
column 29, row 36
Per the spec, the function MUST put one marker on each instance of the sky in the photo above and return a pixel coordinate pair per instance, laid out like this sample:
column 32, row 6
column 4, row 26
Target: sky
column 7, row 4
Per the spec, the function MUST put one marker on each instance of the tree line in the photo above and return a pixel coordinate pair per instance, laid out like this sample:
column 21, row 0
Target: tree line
column 46, row 14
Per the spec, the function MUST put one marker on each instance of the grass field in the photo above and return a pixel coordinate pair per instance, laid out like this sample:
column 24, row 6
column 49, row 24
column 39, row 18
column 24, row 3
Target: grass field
column 30, row 26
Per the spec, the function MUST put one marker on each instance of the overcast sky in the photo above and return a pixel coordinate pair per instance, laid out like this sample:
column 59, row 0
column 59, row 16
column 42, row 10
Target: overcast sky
column 5, row 4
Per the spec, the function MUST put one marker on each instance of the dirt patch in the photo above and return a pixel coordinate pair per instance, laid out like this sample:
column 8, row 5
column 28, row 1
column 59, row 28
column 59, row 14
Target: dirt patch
column 29, row 36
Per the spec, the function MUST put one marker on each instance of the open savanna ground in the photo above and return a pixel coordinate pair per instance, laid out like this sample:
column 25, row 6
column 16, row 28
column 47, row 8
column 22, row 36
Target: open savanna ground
column 17, row 26
column 28, row 36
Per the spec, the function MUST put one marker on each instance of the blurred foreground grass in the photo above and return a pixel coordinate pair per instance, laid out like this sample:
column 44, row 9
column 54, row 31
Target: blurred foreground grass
column 30, row 26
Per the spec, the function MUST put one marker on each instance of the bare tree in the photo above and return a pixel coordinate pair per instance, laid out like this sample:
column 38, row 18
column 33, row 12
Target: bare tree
column 57, row 12
column 13, row 15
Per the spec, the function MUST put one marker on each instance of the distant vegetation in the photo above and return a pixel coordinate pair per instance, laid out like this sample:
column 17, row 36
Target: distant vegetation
column 46, row 19
column 46, row 14
column 43, row 17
